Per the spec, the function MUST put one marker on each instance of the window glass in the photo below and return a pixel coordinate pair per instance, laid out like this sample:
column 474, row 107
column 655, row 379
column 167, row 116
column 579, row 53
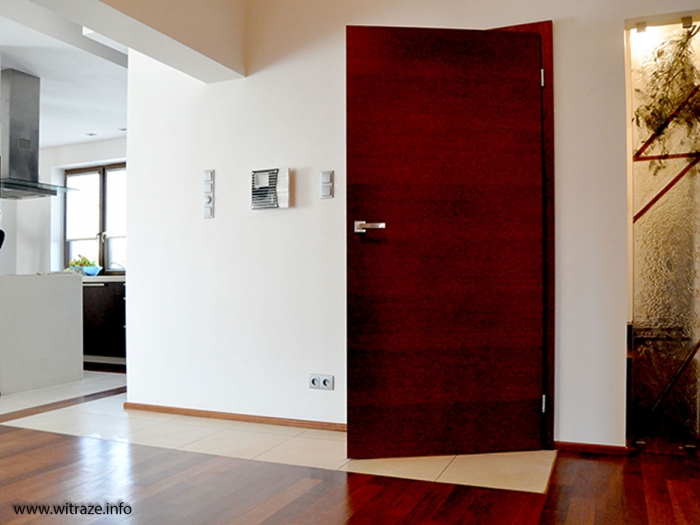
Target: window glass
column 116, row 254
column 116, row 203
column 83, row 206
column 96, row 216
column 89, row 249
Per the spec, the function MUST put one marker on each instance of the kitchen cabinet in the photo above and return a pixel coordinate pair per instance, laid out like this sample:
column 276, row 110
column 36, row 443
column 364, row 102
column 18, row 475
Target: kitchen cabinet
column 40, row 331
column 104, row 320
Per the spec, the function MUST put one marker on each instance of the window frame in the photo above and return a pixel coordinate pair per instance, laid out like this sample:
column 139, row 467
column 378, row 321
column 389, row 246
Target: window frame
column 102, row 170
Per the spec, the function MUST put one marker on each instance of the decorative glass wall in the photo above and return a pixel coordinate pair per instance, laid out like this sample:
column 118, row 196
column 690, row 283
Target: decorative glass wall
column 665, row 100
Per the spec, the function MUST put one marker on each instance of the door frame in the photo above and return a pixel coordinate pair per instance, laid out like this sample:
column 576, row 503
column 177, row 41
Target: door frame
column 544, row 29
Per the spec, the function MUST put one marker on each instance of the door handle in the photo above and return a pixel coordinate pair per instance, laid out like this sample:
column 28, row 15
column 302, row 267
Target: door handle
column 362, row 226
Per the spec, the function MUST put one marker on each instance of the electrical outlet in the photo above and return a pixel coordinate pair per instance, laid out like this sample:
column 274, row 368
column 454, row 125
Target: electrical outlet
column 321, row 382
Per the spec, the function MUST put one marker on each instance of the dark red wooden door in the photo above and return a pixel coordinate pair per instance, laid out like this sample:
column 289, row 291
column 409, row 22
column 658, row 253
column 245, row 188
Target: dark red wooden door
column 445, row 304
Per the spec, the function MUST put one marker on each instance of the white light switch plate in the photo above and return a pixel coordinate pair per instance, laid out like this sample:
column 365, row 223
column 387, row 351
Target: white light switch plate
column 327, row 184
column 208, row 212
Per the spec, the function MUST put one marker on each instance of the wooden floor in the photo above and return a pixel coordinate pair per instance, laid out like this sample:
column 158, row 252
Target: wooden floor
column 642, row 489
column 176, row 487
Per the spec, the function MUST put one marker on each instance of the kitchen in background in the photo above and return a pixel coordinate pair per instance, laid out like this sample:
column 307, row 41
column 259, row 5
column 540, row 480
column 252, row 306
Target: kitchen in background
column 62, row 174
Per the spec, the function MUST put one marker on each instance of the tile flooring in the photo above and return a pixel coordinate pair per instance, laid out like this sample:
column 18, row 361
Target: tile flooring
column 107, row 419
column 92, row 382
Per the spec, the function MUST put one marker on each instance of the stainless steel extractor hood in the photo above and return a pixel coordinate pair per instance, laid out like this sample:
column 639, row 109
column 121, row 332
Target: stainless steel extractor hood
column 19, row 138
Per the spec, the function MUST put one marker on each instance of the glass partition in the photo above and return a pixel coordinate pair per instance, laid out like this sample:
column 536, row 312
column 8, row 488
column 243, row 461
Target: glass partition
column 665, row 107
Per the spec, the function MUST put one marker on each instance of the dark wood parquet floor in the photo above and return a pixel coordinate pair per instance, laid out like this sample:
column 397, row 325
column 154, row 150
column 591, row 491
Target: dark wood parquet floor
column 171, row 487
column 176, row 487
column 644, row 489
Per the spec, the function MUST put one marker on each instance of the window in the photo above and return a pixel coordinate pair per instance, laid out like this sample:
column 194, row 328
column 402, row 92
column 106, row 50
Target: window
column 96, row 216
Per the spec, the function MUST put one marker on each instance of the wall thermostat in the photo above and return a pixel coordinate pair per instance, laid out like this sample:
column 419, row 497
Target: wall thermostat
column 270, row 188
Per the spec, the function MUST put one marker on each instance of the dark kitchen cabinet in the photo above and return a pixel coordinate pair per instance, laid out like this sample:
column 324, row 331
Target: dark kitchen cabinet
column 104, row 320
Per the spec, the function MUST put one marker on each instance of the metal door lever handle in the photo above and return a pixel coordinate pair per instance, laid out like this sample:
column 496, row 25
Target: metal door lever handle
column 362, row 226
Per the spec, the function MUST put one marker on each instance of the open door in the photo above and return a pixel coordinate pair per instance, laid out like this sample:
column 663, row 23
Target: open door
column 447, row 273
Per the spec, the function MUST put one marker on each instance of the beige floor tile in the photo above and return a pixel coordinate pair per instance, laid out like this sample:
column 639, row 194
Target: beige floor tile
column 61, row 421
column 103, row 381
column 145, row 414
column 35, row 398
column 105, row 406
column 93, row 382
column 525, row 471
column 209, row 422
column 113, row 407
column 113, row 427
column 167, row 435
column 308, row 452
column 270, row 429
column 237, row 443
column 423, row 468
column 7, row 407
column 330, row 435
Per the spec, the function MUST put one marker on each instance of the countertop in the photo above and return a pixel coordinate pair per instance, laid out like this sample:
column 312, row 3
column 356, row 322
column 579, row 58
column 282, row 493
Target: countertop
column 105, row 279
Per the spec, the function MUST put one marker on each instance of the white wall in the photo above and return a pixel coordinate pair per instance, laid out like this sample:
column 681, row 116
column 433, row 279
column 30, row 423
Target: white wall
column 233, row 314
column 35, row 229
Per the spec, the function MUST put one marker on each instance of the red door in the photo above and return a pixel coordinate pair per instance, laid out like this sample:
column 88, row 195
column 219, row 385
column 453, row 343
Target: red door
column 446, row 310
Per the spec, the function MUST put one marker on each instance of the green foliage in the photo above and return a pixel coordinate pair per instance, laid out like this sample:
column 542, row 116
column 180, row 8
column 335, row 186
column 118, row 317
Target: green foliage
column 81, row 260
column 671, row 76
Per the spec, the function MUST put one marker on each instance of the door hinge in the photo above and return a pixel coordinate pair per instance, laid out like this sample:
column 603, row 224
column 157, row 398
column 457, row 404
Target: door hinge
column 542, row 77
column 544, row 404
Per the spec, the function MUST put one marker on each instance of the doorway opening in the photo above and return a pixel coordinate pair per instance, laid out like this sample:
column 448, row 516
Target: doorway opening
column 663, row 79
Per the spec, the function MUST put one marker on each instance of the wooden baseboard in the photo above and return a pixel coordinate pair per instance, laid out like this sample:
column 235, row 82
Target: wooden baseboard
column 301, row 423
column 608, row 450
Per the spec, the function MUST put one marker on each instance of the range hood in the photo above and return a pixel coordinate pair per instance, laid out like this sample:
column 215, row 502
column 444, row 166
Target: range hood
column 19, row 138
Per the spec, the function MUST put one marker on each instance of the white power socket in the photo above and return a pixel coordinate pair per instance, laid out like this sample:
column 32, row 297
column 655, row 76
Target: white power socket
column 321, row 382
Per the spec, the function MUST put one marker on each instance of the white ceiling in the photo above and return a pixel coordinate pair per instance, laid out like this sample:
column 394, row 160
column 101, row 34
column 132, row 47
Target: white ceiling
column 81, row 93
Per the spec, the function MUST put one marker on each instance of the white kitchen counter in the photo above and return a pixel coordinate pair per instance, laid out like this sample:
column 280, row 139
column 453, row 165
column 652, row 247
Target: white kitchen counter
column 105, row 279
column 41, row 331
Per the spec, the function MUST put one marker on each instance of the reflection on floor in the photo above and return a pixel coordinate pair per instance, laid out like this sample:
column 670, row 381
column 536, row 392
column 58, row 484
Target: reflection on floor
column 107, row 419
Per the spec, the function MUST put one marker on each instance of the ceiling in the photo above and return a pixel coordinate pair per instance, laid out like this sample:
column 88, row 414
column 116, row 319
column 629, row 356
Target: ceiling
column 81, row 93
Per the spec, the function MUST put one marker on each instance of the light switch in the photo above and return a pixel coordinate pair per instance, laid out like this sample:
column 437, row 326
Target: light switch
column 208, row 212
column 327, row 184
